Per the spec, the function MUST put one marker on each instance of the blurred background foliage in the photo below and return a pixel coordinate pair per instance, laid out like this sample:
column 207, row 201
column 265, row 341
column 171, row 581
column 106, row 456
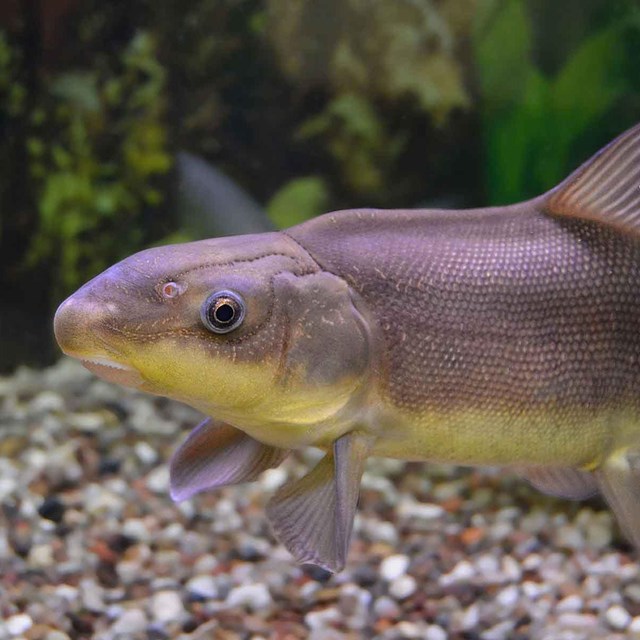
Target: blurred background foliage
column 286, row 109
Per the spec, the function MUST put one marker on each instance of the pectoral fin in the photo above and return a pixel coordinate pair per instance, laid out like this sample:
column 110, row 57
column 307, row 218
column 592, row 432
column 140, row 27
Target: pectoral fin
column 562, row 482
column 313, row 516
column 216, row 454
column 606, row 188
column 619, row 480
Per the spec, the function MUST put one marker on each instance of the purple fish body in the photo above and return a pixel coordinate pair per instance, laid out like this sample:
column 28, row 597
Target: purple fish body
column 505, row 336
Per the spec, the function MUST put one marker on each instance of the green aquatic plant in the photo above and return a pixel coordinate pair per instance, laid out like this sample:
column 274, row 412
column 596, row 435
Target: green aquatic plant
column 93, row 158
column 298, row 200
column 371, row 62
column 532, row 119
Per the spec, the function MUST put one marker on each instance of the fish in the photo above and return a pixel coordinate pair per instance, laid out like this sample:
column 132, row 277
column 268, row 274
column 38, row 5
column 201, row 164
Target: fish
column 209, row 203
column 505, row 336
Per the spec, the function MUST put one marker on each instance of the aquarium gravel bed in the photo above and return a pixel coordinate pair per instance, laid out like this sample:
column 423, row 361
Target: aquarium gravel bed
column 91, row 545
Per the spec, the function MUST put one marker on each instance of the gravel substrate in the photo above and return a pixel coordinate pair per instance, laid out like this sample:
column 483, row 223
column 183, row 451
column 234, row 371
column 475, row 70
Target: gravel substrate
column 91, row 546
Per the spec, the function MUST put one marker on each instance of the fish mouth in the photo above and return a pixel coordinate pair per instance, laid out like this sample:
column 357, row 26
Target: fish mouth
column 112, row 371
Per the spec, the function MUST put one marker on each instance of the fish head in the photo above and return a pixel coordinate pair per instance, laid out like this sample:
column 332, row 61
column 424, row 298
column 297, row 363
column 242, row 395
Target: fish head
column 248, row 329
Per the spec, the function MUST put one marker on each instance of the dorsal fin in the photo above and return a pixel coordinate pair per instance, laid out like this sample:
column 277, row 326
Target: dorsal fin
column 606, row 188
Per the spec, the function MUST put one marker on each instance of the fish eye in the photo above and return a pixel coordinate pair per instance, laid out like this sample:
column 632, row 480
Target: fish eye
column 222, row 311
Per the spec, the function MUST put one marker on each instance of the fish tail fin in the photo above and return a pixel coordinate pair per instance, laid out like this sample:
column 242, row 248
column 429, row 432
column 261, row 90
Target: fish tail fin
column 606, row 188
column 619, row 481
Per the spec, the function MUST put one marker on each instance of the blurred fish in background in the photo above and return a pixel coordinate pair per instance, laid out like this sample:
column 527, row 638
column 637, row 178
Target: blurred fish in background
column 210, row 203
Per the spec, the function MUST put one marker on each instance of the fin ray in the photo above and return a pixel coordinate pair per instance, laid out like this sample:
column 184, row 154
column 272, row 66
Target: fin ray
column 561, row 482
column 313, row 516
column 619, row 480
column 216, row 454
column 606, row 188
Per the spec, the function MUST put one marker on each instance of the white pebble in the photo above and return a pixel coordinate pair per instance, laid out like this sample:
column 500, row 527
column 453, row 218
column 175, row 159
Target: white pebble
column 166, row 606
column 500, row 631
column 18, row 624
column 508, row 597
column 618, row 617
column 41, row 555
column 434, row 632
column 469, row 619
column 394, row 566
column 128, row 571
column 585, row 621
column 570, row 603
column 570, row 537
column 56, row 635
column 202, row 586
column 7, row 487
column 158, row 479
column 130, row 622
column 92, row 595
column 462, row 572
column 146, row 453
column 632, row 591
column 409, row 508
column 385, row 607
column 534, row 590
column 47, row 402
column 205, row 563
column 403, row 587
column 409, row 629
column 488, row 565
column 254, row 597
column 381, row 531
column 322, row 619
column 634, row 627
column 272, row 479
column 137, row 529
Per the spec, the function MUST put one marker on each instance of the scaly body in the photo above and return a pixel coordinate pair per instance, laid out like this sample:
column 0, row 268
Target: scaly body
column 507, row 335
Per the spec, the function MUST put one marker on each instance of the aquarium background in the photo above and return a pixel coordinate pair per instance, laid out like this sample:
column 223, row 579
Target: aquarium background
column 125, row 125
column 307, row 106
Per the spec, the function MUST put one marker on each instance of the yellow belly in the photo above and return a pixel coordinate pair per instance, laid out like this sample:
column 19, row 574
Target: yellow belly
column 576, row 438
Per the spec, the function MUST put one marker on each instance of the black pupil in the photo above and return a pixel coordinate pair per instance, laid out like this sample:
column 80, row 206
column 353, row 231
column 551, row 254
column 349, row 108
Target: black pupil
column 224, row 313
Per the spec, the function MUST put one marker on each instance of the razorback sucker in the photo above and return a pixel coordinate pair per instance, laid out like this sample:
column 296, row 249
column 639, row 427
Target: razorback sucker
column 502, row 336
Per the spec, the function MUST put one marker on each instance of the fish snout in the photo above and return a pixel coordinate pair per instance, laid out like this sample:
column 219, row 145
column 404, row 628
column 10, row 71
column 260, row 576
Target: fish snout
column 77, row 324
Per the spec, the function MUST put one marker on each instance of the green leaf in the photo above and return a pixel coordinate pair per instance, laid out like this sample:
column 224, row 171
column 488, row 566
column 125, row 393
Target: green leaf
column 503, row 54
column 298, row 200
column 78, row 89
column 512, row 142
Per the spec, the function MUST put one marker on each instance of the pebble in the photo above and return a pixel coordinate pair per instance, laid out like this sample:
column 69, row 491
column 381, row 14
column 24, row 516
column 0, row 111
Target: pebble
column 409, row 508
column 394, row 566
column 18, row 624
column 500, row 631
column 202, row 586
column 508, row 597
column 166, row 606
column 130, row 622
column 254, row 597
column 571, row 603
column 434, row 632
column 618, row 617
column 385, row 607
column 158, row 480
column 462, row 572
column 634, row 627
column 403, row 587
column 99, row 550
column 407, row 629
column 322, row 618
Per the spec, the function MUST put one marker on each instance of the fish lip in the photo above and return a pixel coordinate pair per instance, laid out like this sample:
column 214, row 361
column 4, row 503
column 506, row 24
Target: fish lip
column 103, row 361
column 109, row 369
